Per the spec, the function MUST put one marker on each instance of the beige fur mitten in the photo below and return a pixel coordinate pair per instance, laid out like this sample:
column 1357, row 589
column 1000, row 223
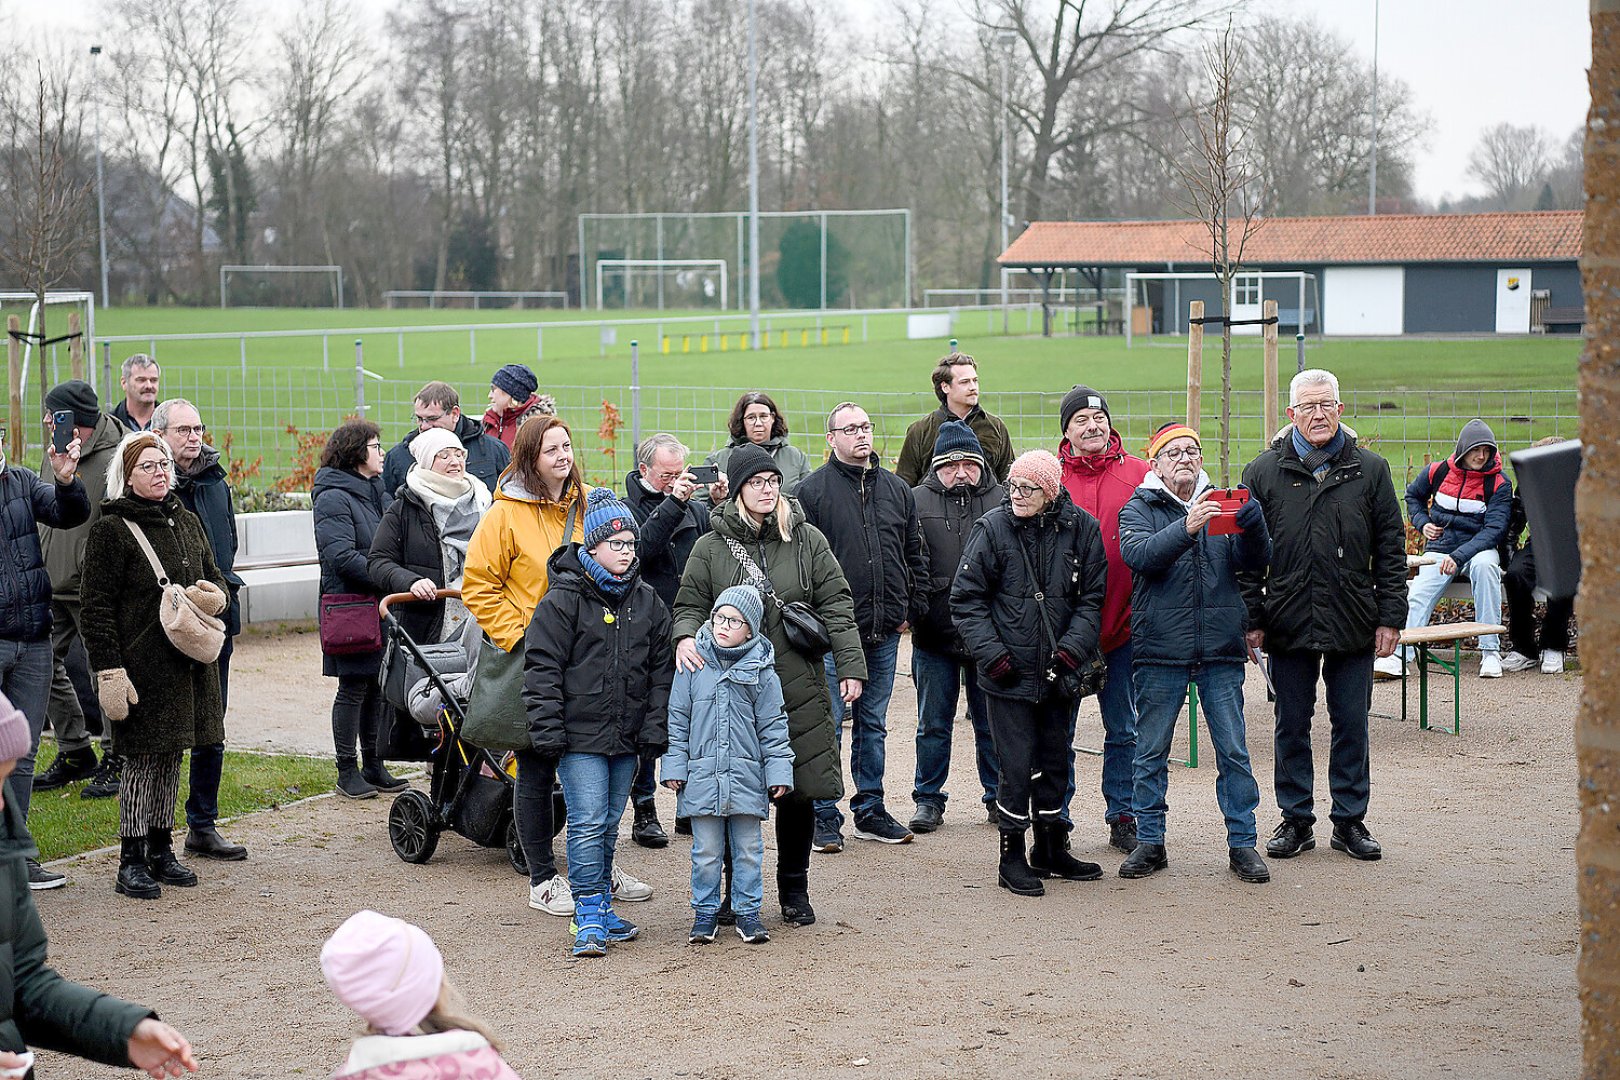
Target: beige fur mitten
column 208, row 597
column 116, row 693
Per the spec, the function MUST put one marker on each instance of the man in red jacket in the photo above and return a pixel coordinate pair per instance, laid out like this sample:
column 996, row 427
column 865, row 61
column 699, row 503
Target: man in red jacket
column 1101, row 478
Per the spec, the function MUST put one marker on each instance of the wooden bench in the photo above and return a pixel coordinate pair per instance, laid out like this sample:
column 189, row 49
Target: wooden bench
column 1422, row 638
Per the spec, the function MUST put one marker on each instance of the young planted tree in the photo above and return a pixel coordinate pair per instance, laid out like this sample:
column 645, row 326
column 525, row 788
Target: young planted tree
column 1223, row 193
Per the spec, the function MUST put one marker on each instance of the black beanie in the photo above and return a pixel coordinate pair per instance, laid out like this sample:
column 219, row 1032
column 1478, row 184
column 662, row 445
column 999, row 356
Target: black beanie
column 78, row 397
column 1081, row 397
column 956, row 442
column 518, row 382
column 746, row 461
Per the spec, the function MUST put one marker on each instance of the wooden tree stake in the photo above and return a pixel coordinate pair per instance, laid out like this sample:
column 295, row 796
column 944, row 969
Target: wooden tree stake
column 15, row 447
column 1268, row 310
column 1195, row 361
column 76, row 344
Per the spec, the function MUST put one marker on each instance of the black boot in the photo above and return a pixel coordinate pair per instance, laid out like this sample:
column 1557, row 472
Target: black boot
column 162, row 864
column 350, row 783
column 69, row 767
column 1014, row 873
column 134, row 880
column 1050, row 857
column 1144, row 860
column 793, row 891
column 107, row 780
column 377, row 775
column 205, row 840
column 646, row 830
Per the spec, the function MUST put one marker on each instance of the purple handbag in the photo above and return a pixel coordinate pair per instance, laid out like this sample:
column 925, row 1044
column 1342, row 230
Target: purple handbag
column 349, row 624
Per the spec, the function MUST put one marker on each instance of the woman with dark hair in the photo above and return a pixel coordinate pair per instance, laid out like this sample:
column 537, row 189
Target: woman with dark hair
column 755, row 420
column 348, row 497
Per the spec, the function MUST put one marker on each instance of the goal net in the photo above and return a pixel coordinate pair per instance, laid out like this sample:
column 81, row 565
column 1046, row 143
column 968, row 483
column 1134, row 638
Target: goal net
column 281, row 286
column 662, row 284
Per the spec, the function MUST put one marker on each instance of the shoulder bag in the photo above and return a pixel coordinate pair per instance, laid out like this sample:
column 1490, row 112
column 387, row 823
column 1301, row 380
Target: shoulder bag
column 803, row 627
column 1090, row 679
column 197, row 636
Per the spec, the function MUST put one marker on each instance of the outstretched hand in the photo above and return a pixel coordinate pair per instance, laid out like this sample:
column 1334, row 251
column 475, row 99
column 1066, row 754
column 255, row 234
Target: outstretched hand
column 160, row 1050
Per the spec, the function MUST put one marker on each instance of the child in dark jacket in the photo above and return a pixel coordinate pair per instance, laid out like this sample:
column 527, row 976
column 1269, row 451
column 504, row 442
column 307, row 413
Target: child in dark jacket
column 597, row 671
column 728, row 757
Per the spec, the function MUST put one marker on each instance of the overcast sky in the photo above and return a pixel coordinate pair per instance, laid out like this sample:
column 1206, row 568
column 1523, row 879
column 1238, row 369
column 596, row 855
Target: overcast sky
column 1471, row 63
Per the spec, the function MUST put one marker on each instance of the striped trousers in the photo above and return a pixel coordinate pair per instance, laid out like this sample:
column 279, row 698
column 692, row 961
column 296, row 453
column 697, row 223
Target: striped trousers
column 148, row 793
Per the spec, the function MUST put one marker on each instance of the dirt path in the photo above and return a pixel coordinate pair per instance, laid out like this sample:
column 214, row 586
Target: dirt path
column 1452, row 957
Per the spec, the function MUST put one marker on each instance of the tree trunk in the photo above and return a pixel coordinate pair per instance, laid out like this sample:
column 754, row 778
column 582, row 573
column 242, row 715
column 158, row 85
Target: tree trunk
column 1597, row 508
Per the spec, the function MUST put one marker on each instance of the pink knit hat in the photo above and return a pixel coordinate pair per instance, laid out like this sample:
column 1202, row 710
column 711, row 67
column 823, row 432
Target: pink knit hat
column 387, row 970
column 1041, row 468
column 14, row 736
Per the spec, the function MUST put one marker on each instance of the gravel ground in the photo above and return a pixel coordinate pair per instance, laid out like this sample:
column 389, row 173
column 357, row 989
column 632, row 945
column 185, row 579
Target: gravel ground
column 1454, row 956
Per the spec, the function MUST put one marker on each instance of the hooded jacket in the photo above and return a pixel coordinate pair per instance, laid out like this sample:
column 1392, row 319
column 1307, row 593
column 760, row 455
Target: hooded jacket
column 64, row 548
column 487, row 457
column 1338, row 550
column 26, row 502
column 669, row 528
column 1186, row 605
column 917, row 451
column 728, row 733
column 596, row 668
column 206, row 492
column 994, row 598
column 790, row 459
column 1474, row 507
column 348, row 507
column 801, row 569
column 947, row 517
column 1101, row 485
column 507, row 558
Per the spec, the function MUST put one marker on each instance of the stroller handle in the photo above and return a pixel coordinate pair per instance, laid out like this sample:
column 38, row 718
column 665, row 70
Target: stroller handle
column 410, row 598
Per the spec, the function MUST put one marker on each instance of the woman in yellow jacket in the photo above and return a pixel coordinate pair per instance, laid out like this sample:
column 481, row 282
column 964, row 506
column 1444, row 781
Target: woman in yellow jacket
column 504, row 581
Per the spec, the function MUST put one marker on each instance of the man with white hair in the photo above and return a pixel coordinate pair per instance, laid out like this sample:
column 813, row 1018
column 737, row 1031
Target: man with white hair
column 138, row 375
column 1333, row 596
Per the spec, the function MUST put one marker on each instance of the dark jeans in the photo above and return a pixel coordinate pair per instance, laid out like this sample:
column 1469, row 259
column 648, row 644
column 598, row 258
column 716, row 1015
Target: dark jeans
column 1519, row 582
column 25, row 679
column 1349, row 693
column 1117, row 703
column 356, row 714
column 532, row 810
column 939, row 680
column 208, row 762
column 646, row 782
column 869, row 730
column 1033, row 746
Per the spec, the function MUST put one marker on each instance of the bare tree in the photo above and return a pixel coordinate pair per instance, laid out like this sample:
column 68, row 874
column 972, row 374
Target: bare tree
column 1223, row 193
column 1512, row 162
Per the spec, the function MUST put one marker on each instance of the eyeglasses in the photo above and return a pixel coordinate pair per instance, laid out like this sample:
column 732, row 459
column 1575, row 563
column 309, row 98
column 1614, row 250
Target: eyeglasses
column 763, row 483
column 759, row 418
column 374, row 445
column 428, row 421
column 1311, row 408
column 729, row 622
column 1179, row 454
column 1024, row 490
column 152, row 468
column 620, row 545
column 853, row 430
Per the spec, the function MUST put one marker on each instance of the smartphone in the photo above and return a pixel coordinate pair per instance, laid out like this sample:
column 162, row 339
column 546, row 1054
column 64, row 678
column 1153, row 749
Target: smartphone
column 1230, row 500
column 62, row 431
column 705, row 474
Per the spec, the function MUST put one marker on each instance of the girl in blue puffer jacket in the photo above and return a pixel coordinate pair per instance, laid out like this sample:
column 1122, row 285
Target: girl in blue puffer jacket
column 728, row 757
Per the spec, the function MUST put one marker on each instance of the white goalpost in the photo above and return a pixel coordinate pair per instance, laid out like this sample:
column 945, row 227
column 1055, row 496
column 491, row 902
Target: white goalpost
column 690, row 279
column 74, row 299
column 334, row 270
column 1249, row 293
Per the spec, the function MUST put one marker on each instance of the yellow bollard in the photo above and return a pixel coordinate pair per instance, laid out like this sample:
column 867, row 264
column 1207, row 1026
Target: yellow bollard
column 846, row 335
column 804, row 337
column 784, row 339
column 824, row 335
column 686, row 343
column 666, row 344
column 703, row 343
column 725, row 342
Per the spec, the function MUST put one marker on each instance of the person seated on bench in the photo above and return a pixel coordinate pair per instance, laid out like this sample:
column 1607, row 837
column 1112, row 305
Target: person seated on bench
column 1462, row 505
column 1519, row 581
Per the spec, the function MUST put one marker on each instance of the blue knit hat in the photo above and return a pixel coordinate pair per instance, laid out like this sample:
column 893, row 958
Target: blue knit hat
column 746, row 599
column 604, row 516
column 956, row 442
column 516, row 380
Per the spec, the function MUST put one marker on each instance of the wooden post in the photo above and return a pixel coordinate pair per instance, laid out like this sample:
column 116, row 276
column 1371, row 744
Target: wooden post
column 14, row 383
column 76, row 345
column 1268, row 311
column 1195, row 361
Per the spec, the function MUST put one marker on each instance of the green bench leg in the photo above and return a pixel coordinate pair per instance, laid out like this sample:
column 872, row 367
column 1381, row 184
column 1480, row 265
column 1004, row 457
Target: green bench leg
column 1453, row 667
column 1191, row 760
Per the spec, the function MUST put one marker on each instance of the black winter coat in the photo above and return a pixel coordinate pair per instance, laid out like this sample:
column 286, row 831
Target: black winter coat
column 487, row 457
column 207, row 493
column 947, row 519
column 993, row 599
column 404, row 550
column 669, row 528
column 26, row 501
column 180, row 704
column 348, row 509
column 1186, row 605
column 870, row 519
column 1338, row 550
column 596, row 670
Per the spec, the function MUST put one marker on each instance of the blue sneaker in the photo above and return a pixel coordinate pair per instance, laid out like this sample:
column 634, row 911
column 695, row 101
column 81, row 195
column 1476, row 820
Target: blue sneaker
column 590, row 934
column 704, row 928
column 829, row 839
column 750, row 929
column 617, row 927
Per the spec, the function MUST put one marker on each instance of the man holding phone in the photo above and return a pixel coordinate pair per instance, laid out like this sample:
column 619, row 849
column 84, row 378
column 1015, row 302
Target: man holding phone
column 659, row 495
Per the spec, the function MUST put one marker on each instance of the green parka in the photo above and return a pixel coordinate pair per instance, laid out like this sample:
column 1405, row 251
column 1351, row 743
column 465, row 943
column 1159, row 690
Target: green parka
column 804, row 569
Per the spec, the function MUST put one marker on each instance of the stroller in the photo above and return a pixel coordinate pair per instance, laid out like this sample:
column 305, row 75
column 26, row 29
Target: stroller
column 470, row 789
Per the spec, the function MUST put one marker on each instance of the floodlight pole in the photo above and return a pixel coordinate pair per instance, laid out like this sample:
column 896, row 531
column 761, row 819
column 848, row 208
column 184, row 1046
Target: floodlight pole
column 753, row 178
column 1372, row 171
column 1007, row 38
column 101, row 187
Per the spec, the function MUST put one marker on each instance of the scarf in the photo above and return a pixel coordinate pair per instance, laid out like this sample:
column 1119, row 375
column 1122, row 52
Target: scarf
column 456, row 504
column 1318, row 459
column 614, row 585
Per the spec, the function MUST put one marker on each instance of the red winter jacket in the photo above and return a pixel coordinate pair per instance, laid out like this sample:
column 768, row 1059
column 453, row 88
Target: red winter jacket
column 1101, row 485
column 504, row 425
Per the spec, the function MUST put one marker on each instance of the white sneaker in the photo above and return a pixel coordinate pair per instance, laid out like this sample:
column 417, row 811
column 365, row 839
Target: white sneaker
column 1388, row 667
column 1516, row 661
column 1552, row 662
column 629, row 889
column 553, row 897
column 1490, row 665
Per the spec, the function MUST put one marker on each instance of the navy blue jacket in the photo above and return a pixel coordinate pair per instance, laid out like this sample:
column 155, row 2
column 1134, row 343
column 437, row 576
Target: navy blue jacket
column 207, row 493
column 1474, row 519
column 1186, row 605
column 487, row 457
column 26, row 501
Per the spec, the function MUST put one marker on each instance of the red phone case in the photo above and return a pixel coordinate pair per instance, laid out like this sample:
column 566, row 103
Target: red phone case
column 1230, row 500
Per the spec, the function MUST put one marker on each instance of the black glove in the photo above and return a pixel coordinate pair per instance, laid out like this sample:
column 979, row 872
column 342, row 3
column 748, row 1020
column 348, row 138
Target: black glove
column 1068, row 659
column 1001, row 670
column 1250, row 516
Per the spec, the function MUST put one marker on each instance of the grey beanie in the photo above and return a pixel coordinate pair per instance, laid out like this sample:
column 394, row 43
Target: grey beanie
column 746, row 599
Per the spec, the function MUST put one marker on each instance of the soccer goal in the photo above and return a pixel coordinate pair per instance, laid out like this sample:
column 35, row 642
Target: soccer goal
column 282, row 286
column 661, row 284
column 1158, row 302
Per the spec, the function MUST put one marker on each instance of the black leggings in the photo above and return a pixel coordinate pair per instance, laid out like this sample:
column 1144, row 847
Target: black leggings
column 356, row 711
column 532, row 810
column 795, row 828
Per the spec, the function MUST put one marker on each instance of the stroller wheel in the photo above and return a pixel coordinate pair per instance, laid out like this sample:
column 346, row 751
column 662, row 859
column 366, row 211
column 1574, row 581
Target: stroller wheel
column 514, row 849
column 412, row 828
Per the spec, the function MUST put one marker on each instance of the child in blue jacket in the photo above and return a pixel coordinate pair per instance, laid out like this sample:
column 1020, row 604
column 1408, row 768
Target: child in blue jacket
column 728, row 757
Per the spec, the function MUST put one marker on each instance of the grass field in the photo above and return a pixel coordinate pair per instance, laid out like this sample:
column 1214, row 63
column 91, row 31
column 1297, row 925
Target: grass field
column 1406, row 395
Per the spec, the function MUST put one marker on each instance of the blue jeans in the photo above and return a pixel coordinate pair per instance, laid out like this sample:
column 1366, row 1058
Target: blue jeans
column 939, row 681
column 1117, row 703
column 25, row 678
column 1484, row 573
column 597, row 787
column 709, row 835
column 1161, row 692
column 870, row 729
